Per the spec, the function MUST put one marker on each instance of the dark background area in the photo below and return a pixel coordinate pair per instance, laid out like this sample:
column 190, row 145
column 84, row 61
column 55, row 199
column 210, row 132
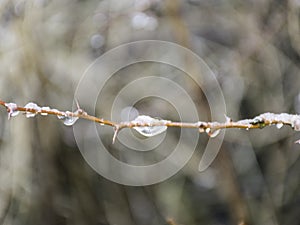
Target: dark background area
column 252, row 46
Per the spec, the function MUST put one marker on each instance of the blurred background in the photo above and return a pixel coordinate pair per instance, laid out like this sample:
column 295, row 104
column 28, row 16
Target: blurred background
column 252, row 46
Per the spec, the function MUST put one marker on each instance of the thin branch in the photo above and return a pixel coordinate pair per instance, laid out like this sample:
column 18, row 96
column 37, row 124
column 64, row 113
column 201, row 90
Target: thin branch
column 211, row 128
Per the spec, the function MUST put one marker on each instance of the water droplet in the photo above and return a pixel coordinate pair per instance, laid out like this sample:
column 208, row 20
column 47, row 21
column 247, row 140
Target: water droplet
column 14, row 113
column 12, row 109
column 247, row 128
column 149, row 131
column 46, row 108
column 29, row 114
column 279, row 125
column 214, row 133
column 34, row 106
column 70, row 120
column 207, row 130
column 61, row 117
column 67, row 118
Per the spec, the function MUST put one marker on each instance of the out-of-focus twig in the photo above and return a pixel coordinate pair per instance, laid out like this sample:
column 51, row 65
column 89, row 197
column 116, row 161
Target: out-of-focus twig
column 170, row 221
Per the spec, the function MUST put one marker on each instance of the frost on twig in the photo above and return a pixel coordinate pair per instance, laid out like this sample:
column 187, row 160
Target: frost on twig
column 153, row 127
column 148, row 126
column 12, row 109
column 31, row 109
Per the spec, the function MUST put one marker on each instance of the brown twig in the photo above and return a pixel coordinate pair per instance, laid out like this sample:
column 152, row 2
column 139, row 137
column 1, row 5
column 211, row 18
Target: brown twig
column 211, row 128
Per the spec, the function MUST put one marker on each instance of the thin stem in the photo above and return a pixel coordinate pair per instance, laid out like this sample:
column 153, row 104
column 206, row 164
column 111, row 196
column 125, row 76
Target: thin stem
column 257, row 122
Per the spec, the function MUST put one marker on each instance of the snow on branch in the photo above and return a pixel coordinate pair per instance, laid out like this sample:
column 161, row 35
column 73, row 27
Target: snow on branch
column 148, row 126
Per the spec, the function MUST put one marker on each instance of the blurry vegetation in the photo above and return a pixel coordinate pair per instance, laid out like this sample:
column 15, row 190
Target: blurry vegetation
column 253, row 46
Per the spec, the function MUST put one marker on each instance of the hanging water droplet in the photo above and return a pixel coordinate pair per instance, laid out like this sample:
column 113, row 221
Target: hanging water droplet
column 14, row 113
column 32, row 105
column 58, row 114
column 214, row 133
column 149, row 131
column 29, row 114
column 279, row 125
column 207, row 130
column 12, row 109
column 46, row 108
column 70, row 120
column 247, row 128
column 61, row 117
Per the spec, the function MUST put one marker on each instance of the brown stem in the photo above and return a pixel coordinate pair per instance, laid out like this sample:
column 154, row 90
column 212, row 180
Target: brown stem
column 259, row 121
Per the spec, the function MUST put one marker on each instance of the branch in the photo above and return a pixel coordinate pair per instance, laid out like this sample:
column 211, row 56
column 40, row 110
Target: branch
column 149, row 126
